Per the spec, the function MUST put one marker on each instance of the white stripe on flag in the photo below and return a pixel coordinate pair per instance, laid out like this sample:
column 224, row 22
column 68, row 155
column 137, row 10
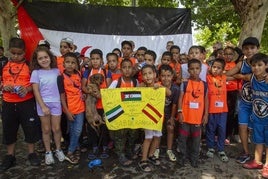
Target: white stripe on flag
column 107, row 43
column 114, row 113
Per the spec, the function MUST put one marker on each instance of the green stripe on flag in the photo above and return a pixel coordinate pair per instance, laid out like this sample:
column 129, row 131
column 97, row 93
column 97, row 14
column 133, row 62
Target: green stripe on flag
column 112, row 110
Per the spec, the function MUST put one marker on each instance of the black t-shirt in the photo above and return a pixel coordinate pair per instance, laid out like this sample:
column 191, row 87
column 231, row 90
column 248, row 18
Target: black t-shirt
column 170, row 100
column 3, row 62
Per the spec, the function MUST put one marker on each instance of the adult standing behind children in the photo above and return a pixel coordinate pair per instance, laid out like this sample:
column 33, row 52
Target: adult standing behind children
column 18, row 105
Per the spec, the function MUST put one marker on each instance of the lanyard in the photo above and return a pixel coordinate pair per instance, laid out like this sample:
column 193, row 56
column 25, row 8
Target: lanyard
column 195, row 91
column 15, row 75
column 218, row 84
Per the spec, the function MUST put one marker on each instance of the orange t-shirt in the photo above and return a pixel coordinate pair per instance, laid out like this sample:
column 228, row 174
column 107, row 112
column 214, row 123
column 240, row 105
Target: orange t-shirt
column 16, row 74
column 60, row 61
column 217, row 94
column 193, row 102
column 176, row 67
column 116, row 76
column 233, row 84
column 73, row 91
column 132, row 59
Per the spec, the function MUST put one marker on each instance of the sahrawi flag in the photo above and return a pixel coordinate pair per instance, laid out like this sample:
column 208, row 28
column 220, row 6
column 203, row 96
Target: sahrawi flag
column 105, row 27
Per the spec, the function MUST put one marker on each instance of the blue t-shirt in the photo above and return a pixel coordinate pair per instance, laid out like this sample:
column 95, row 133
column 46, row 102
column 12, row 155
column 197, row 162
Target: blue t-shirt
column 259, row 101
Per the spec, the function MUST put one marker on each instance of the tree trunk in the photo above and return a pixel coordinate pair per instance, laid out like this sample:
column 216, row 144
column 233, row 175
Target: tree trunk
column 253, row 14
column 7, row 22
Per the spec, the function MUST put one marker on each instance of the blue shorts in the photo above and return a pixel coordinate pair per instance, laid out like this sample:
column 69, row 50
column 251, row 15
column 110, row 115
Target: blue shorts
column 54, row 107
column 244, row 113
column 260, row 134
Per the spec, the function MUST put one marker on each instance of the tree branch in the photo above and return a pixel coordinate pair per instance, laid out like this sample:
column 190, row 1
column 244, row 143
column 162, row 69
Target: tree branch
column 16, row 8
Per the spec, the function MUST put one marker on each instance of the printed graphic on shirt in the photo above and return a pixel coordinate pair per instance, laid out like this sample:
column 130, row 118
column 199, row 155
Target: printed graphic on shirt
column 260, row 108
column 246, row 93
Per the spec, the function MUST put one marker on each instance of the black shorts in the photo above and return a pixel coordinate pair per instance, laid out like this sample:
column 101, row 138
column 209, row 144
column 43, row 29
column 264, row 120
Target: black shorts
column 24, row 114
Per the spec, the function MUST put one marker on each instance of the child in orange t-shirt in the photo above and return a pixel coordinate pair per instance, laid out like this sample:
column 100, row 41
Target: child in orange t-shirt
column 73, row 104
column 218, row 109
column 96, row 58
column 112, row 62
column 175, row 62
column 232, row 87
column 18, row 105
column 66, row 45
column 192, row 112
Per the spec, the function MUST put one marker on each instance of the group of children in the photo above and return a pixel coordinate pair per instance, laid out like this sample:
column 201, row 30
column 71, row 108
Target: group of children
column 197, row 95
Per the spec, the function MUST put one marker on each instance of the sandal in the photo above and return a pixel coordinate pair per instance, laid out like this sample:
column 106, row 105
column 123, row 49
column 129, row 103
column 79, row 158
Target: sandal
column 72, row 159
column 77, row 153
column 210, row 153
column 144, row 166
column 223, row 156
column 153, row 160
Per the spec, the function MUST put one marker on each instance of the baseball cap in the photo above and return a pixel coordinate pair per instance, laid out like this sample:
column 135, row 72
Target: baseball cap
column 251, row 41
column 44, row 43
column 68, row 40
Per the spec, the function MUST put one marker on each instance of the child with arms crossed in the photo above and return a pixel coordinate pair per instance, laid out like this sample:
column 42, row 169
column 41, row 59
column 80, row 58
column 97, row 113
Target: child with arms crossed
column 250, row 46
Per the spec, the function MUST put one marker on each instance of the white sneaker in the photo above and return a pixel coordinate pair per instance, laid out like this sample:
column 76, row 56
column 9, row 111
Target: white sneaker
column 156, row 153
column 171, row 155
column 49, row 158
column 60, row 155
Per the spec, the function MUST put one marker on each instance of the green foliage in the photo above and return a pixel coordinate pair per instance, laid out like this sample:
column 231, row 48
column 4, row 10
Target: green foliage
column 216, row 20
column 158, row 3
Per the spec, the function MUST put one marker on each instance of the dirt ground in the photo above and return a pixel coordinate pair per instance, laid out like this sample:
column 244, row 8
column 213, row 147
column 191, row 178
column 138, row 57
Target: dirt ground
column 208, row 168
